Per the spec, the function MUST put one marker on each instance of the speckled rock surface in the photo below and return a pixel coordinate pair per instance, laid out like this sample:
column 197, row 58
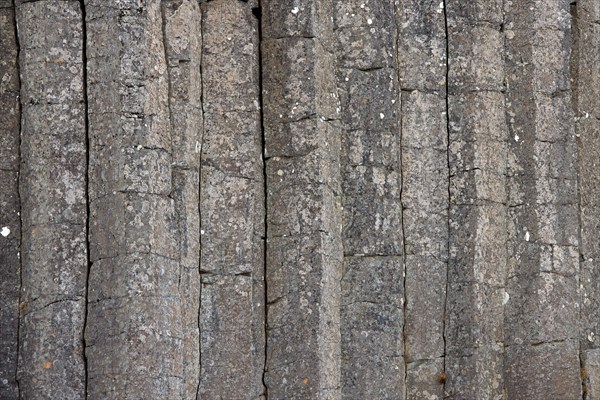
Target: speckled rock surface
column 53, row 201
column 308, row 199
column 10, row 220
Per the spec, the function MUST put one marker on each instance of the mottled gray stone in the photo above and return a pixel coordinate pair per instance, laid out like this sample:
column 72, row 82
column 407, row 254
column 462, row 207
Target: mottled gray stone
column 590, row 371
column 304, row 248
column 544, row 371
column 422, row 72
column 52, row 189
column 477, row 158
column 136, row 333
column 371, row 328
column 10, row 221
column 232, row 303
column 372, row 313
column 586, row 105
column 182, row 41
column 542, row 355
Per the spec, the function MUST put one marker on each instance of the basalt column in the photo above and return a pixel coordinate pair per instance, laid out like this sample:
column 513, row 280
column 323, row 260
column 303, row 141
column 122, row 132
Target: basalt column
column 10, row 220
column 542, row 289
column 585, row 74
column 423, row 68
column 232, row 205
column 477, row 152
column 304, row 248
column 372, row 314
column 136, row 333
column 54, row 200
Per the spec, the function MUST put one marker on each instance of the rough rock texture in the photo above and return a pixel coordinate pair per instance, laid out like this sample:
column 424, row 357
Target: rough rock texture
column 543, row 245
column 10, row 221
column 182, row 41
column 304, row 248
column 585, row 64
column 135, row 348
column 232, row 302
column 308, row 199
column 477, row 157
column 422, row 73
column 372, row 315
column 53, row 200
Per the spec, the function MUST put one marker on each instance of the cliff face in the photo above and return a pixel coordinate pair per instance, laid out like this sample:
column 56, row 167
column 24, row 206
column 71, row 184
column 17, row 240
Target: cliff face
column 308, row 199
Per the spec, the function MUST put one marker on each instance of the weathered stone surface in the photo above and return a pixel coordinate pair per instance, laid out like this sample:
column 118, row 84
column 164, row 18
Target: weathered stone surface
column 304, row 248
column 232, row 304
column 477, row 158
column 372, row 314
column 136, row 333
column 10, row 221
column 317, row 199
column 371, row 328
column 53, row 193
column 543, row 269
column 422, row 73
column 182, row 36
column 586, row 105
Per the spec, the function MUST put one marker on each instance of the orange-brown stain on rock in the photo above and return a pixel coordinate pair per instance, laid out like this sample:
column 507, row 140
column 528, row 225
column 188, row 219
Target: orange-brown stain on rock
column 305, row 381
column 47, row 364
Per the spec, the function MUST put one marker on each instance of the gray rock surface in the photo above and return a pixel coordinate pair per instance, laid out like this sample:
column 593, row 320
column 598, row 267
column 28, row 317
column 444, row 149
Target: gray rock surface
column 422, row 70
column 10, row 220
column 232, row 302
column 477, row 157
column 136, row 334
column 304, row 247
column 372, row 313
column 52, row 188
column 317, row 199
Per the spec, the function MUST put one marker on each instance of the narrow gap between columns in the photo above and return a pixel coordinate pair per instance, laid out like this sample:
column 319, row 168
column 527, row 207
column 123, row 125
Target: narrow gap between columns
column 18, row 64
column 87, row 184
column 574, row 75
column 402, row 208
column 257, row 11
column 444, row 377
column 507, row 160
column 199, row 147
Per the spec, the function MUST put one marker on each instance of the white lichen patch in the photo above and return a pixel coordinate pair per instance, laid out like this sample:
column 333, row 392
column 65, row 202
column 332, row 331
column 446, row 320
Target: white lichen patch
column 295, row 10
column 505, row 298
column 5, row 231
column 526, row 236
column 440, row 8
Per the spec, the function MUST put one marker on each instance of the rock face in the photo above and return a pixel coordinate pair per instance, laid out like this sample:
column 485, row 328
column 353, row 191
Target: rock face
column 308, row 199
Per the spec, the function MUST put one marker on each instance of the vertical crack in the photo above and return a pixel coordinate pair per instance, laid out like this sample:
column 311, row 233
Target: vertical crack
column 20, row 266
column 574, row 78
column 199, row 151
column 257, row 12
column 445, row 309
column 87, row 184
column 506, row 225
column 402, row 208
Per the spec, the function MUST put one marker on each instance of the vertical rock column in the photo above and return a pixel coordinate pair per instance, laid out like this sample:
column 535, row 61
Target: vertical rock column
column 232, row 205
column 10, row 207
column 478, row 154
column 135, row 334
column 541, row 315
column 372, row 316
column 585, row 74
column 54, row 203
column 422, row 60
column 182, row 41
column 304, row 248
